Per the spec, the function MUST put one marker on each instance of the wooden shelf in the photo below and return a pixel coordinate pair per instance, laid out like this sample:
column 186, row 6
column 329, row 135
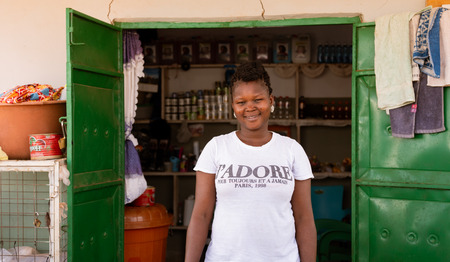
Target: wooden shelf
column 210, row 121
column 325, row 122
column 341, row 175
column 178, row 227
column 203, row 66
column 317, row 175
column 281, row 122
column 150, row 173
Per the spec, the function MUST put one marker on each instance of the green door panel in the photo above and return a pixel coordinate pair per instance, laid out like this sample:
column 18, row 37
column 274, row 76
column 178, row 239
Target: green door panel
column 95, row 128
column 379, row 149
column 400, row 187
column 402, row 224
column 94, row 43
column 365, row 46
column 98, row 234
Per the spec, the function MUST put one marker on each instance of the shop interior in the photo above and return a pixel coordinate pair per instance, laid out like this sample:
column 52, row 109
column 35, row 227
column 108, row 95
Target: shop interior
column 174, row 121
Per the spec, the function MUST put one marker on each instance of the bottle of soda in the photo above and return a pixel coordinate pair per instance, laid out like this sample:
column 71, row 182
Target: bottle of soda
column 326, row 53
column 332, row 54
column 339, row 53
column 320, row 54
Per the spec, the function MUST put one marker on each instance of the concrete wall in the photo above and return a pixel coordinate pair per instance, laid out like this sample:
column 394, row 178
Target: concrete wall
column 32, row 42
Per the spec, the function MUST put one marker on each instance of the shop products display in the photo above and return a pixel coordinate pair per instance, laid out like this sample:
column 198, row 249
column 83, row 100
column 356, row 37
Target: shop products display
column 200, row 104
column 278, row 49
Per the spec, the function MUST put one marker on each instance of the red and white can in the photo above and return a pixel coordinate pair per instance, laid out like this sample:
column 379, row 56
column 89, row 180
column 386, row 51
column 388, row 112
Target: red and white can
column 146, row 199
column 45, row 146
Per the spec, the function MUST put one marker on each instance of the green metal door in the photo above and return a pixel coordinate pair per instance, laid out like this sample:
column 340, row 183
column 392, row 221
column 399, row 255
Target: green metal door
column 95, row 155
column 400, row 187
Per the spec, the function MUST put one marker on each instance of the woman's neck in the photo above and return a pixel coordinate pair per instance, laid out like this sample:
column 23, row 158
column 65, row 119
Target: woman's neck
column 254, row 138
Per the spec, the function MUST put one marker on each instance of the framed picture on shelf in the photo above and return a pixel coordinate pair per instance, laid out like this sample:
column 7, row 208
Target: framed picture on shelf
column 167, row 53
column 281, row 52
column 186, row 53
column 301, row 51
column 242, row 52
column 150, row 54
column 224, row 53
column 204, row 53
column 262, row 52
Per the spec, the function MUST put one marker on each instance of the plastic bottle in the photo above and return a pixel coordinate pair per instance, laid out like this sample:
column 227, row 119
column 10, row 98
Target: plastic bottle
column 339, row 53
column 280, row 107
column 332, row 54
column 326, row 53
column 320, row 54
column 287, row 106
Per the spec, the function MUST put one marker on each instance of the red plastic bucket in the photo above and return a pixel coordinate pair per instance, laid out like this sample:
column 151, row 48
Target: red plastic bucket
column 146, row 199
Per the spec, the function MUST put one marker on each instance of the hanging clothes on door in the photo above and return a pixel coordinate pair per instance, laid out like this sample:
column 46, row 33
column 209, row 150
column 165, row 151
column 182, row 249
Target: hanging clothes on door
column 444, row 43
column 392, row 61
column 426, row 48
column 133, row 69
column 425, row 116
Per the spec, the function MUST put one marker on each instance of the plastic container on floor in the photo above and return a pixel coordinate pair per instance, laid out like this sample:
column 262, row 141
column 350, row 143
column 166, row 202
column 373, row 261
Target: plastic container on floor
column 146, row 231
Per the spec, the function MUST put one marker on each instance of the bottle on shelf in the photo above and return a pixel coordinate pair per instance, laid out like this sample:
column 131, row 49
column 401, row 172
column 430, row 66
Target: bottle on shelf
column 347, row 112
column 219, row 100
column 226, row 100
column 287, row 106
column 200, row 105
column 340, row 110
column 332, row 110
column 181, row 107
column 326, row 53
column 320, row 54
column 280, row 107
column 332, row 54
column 208, row 105
column 194, row 106
column 301, row 107
column 339, row 54
column 325, row 110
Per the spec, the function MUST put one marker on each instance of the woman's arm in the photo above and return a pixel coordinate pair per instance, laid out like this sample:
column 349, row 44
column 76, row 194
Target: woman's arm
column 306, row 234
column 205, row 199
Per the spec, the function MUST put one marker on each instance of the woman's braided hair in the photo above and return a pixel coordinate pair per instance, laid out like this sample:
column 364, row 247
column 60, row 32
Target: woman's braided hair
column 248, row 72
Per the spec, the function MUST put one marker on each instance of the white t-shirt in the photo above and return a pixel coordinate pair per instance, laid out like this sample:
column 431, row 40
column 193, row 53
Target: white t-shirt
column 253, row 218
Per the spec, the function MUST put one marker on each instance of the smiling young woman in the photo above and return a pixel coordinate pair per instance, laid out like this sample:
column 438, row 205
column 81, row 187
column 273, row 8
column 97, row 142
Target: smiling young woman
column 255, row 182
column 252, row 102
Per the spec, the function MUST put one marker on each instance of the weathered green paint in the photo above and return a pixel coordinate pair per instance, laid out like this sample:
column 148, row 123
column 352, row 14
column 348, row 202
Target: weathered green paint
column 400, row 187
column 251, row 23
column 95, row 129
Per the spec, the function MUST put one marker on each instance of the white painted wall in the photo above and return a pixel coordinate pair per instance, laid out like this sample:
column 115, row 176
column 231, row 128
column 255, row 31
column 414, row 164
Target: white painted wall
column 32, row 41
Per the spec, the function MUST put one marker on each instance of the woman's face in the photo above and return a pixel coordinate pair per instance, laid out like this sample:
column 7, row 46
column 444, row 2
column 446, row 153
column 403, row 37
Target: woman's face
column 251, row 104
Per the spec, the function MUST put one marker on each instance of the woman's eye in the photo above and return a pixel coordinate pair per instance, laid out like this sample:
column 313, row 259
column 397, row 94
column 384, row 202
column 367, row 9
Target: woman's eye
column 240, row 103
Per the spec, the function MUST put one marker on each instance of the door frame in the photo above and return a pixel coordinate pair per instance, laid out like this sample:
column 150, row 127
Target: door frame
column 350, row 20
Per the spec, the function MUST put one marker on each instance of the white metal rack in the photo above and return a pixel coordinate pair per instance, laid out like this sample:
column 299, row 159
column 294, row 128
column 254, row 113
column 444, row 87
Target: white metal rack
column 23, row 200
